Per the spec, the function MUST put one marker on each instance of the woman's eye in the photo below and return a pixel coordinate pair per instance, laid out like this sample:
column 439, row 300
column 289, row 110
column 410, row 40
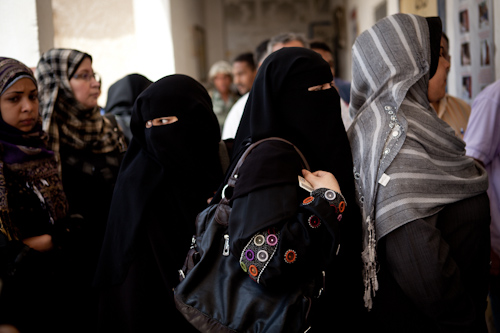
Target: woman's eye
column 161, row 121
column 33, row 97
column 14, row 99
column 315, row 88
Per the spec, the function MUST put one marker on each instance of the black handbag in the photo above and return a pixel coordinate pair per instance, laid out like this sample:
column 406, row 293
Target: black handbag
column 215, row 295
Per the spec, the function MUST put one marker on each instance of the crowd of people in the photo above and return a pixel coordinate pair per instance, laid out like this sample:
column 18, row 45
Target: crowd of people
column 98, row 204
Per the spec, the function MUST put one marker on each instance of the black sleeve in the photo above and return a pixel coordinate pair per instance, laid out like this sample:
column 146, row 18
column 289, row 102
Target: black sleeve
column 280, row 242
column 15, row 257
column 420, row 261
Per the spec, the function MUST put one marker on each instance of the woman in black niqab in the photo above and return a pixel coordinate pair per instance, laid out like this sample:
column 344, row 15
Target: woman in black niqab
column 121, row 98
column 281, row 105
column 169, row 171
column 287, row 101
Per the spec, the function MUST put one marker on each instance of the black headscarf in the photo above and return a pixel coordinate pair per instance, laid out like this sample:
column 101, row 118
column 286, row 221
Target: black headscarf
column 168, row 171
column 121, row 98
column 123, row 93
column 435, row 33
column 280, row 105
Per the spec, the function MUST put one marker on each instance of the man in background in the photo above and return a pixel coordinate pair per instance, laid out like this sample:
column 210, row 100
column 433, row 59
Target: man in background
column 265, row 48
column 287, row 39
column 244, row 71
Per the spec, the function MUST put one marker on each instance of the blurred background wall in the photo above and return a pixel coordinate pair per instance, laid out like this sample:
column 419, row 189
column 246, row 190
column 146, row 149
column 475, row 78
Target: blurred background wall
column 160, row 37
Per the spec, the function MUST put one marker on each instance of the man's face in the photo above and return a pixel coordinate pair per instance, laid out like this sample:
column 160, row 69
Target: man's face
column 243, row 76
column 327, row 56
column 222, row 83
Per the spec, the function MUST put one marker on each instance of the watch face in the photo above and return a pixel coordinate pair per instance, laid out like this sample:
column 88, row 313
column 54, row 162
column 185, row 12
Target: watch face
column 330, row 195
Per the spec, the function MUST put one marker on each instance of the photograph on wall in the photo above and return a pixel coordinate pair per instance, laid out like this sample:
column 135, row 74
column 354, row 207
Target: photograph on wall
column 465, row 54
column 483, row 15
column 464, row 21
column 466, row 87
column 485, row 53
column 473, row 32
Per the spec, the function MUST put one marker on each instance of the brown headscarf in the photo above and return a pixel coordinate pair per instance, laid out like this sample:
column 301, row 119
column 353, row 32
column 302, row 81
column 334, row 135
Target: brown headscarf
column 25, row 154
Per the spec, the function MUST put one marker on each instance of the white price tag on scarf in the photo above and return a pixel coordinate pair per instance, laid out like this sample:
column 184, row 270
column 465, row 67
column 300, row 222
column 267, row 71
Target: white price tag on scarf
column 384, row 180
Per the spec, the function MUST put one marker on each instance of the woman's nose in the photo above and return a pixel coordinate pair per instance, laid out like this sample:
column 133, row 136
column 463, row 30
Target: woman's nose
column 27, row 105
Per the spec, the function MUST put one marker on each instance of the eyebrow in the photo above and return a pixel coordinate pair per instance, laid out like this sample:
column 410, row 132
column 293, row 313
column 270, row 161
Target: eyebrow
column 19, row 92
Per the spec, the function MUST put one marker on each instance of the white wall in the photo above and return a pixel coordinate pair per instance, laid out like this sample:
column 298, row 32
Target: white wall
column 153, row 54
column 19, row 31
column 122, row 36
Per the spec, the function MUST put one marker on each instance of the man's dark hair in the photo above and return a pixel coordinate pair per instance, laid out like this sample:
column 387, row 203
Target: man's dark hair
column 246, row 57
column 261, row 51
column 320, row 45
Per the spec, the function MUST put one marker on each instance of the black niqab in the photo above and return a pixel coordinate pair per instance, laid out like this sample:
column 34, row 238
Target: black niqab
column 167, row 174
column 280, row 105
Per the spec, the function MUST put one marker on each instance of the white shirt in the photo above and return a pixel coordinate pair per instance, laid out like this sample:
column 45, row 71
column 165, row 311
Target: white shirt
column 233, row 118
column 346, row 118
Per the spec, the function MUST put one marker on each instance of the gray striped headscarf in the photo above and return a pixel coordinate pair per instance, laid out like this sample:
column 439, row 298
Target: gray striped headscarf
column 65, row 119
column 408, row 163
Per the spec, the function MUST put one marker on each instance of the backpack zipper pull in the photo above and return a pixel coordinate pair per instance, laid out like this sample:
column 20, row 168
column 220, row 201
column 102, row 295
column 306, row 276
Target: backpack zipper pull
column 225, row 252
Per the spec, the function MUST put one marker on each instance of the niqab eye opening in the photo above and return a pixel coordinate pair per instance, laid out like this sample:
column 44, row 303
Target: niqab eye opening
column 319, row 87
column 161, row 121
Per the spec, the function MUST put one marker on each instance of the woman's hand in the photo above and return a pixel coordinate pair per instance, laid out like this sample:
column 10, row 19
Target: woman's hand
column 42, row 243
column 321, row 179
